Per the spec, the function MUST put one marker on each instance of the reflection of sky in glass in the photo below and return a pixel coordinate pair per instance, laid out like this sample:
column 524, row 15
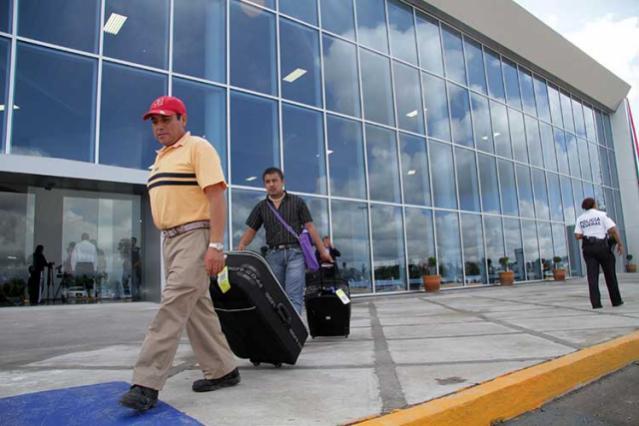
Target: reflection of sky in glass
column 429, row 43
column 371, row 24
column 443, row 176
column 548, row 146
column 305, row 10
column 350, row 237
column 340, row 76
column 388, row 248
column 494, row 246
column 524, row 184
column 376, row 88
column 475, row 65
column 346, row 157
column 460, row 115
column 402, row 31
column 299, row 50
column 527, row 92
column 512, row 84
column 494, row 74
column 453, row 55
column 533, row 141
column 554, row 195
column 481, row 123
column 489, row 187
column 569, row 204
column 448, row 248
column 555, row 106
column 383, row 176
column 408, row 99
column 415, row 170
column 514, row 248
column 473, row 244
column 436, row 107
column 420, row 242
column 531, row 250
column 338, row 17
column 501, row 133
column 467, row 181
column 541, row 195
column 508, row 191
column 517, row 135
column 543, row 102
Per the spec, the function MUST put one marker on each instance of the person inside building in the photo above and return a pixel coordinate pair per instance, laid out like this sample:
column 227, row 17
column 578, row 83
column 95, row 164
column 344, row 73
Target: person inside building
column 594, row 228
column 36, row 268
column 84, row 261
column 186, row 190
column 284, row 254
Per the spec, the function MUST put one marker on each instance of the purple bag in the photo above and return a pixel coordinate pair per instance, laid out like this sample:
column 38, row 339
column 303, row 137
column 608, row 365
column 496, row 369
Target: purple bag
column 304, row 238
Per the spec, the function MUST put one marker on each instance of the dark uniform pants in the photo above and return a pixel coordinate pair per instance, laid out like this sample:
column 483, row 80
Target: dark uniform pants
column 595, row 255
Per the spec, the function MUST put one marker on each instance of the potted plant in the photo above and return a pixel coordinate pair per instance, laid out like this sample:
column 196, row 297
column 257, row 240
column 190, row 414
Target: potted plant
column 432, row 281
column 506, row 277
column 558, row 273
column 630, row 267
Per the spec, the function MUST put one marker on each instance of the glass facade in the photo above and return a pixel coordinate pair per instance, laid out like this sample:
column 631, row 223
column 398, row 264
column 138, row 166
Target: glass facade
column 408, row 138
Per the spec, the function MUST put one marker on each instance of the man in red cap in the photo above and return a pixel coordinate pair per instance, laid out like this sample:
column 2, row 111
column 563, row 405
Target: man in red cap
column 186, row 191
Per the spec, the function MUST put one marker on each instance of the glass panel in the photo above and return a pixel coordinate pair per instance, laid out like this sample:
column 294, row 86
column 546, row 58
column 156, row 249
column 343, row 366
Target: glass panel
column 610, row 203
column 243, row 202
column 578, row 113
column 371, row 24
column 414, row 170
column 527, row 92
column 350, row 236
column 584, row 159
column 518, row 135
column 566, row 112
column 531, row 250
column 467, row 180
column 514, row 248
column 460, row 115
column 408, row 99
column 5, row 16
column 448, row 249
column 264, row 3
column 562, row 151
column 578, row 194
column 319, row 211
column 508, row 190
column 304, row 159
column 402, row 31
column 613, row 169
column 383, row 175
column 554, row 193
column 62, row 107
column 481, row 123
column 555, row 106
column 376, row 88
column 591, row 131
column 436, row 107
column 524, row 184
column 206, row 106
column 121, row 122
column 501, row 133
column 252, row 52
column 512, row 84
column 254, row 138
column 559, row 243
column 619, row 208
column 599, row 197
column 300, row 64
column 601, row 137
column 533, row 141
column 4, row 67
column 453, row 55
column 429, row 43
column 388, row 248
column 495, row 78
column 346, row 157
column 304, row 10
column 199, row 38
column 338, row 17
column 474, row 266
column 475, row 65
column 543, row 102
column 71, row 23
column 340, row 76
column 443, row 174
column 420, row 243
column 605, row 168
column 569, row 201
column 541, row 195
column 494, row 247
column 143, row 37
column 548, row 146
column 489, row 186
column 608, row 130
column 573, row 154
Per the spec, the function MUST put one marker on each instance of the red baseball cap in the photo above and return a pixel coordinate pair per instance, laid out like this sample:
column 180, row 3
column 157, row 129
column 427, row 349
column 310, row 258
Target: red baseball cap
column 166, row 105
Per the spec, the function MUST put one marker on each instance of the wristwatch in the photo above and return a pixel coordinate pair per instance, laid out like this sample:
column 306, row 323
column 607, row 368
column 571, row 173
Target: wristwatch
column 217, row 246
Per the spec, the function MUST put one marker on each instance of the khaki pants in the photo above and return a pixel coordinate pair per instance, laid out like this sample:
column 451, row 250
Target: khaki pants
column 185, row 303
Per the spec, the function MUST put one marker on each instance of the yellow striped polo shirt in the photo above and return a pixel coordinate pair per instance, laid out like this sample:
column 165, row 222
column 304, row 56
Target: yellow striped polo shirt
column 178, row 177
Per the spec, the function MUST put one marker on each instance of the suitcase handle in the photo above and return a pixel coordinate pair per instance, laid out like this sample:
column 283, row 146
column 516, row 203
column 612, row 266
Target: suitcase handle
column 283, row 313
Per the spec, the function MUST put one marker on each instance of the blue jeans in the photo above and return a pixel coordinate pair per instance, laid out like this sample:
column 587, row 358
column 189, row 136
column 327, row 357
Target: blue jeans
column 288, row 266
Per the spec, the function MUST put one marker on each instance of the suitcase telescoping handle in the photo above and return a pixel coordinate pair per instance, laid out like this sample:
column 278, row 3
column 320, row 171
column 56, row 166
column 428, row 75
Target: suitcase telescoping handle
column 283, row 313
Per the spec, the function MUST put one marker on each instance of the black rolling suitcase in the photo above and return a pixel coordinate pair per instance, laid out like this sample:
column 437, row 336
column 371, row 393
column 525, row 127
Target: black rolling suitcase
column 256, row 315
column 327, row 313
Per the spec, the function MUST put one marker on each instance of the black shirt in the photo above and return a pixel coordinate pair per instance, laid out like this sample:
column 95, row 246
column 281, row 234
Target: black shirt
column 292, row 209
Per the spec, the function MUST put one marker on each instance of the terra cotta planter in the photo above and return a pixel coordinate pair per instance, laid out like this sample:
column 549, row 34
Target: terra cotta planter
column 507, row 278
column 631, row 267
column 559, row 274
column 432, row 283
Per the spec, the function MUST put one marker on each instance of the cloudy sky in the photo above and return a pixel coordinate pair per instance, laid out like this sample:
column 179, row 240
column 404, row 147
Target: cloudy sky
column 607, row 30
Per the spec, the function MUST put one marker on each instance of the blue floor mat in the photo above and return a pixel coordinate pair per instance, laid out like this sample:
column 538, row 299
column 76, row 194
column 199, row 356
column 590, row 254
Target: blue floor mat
column 94, row 405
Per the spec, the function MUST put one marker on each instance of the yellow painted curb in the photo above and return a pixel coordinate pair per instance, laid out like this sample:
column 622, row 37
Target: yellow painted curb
column 516, row 393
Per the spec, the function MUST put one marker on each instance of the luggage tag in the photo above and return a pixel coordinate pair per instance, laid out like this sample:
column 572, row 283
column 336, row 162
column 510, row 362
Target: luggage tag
column 342, row 296
column 223, row 280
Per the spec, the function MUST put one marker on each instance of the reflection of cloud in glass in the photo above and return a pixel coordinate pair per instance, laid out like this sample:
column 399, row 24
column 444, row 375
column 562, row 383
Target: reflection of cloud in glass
column 376, row 88
column 340, row 76
column 436, row 107
column 382, row 164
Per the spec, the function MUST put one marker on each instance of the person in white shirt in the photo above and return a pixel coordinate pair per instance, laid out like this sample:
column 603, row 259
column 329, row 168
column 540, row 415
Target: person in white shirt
column 84, row 260
column 594, row 228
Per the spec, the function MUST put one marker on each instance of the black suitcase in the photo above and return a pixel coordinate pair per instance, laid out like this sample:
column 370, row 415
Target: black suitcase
column 326, row 313
column 256, row 315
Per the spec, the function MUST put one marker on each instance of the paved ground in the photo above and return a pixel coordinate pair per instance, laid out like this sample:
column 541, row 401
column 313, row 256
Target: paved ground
column 613, row 400
column 402, row 350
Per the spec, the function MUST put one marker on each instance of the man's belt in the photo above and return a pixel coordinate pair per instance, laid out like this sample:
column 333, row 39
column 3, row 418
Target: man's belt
column 182, row 229
column 284, row 246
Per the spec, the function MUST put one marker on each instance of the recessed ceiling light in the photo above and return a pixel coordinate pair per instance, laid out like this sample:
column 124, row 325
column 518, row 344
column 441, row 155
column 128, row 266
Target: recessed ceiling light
column 114, row 23
column 251, row 179
column 411, row 172
column 496, row 134
column 329, row 152
column 412, row 114
column 15, row 107
column 294, row 75
column 484, row 138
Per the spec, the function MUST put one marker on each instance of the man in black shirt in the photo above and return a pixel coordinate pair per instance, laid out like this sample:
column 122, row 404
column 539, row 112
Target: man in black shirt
column 284, row 254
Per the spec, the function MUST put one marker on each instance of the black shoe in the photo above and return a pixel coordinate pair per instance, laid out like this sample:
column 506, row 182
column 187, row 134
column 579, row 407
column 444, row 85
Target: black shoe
column 597, row 307
column 139, row 398
column 206, row 385
column 618, row 304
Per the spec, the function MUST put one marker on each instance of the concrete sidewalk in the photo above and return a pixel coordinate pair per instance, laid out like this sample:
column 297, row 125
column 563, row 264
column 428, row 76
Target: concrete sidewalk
column 402, row 350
